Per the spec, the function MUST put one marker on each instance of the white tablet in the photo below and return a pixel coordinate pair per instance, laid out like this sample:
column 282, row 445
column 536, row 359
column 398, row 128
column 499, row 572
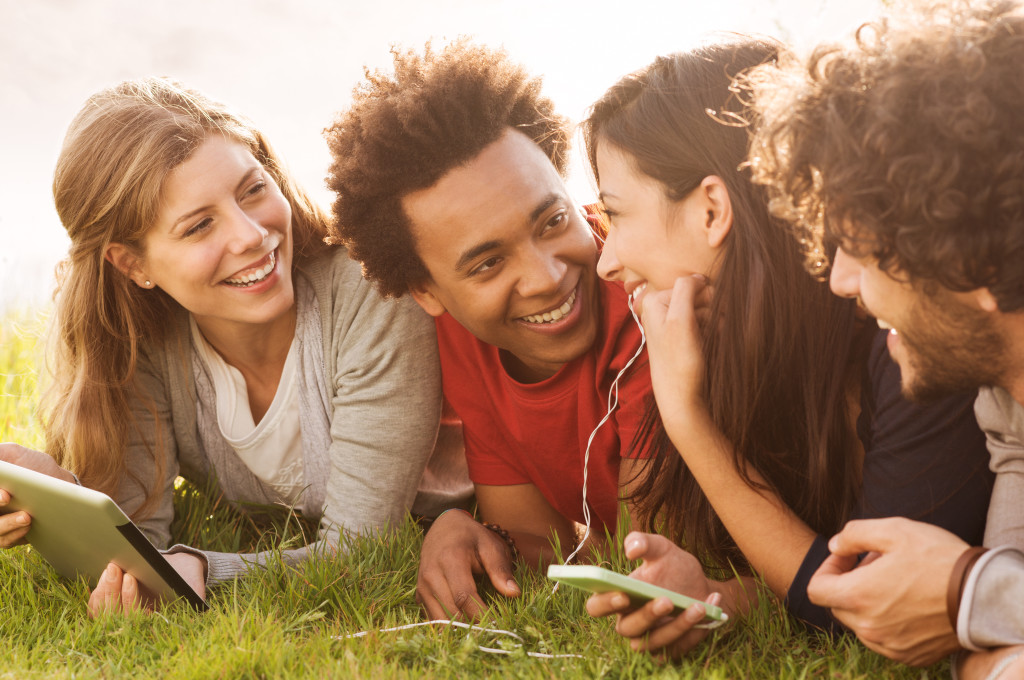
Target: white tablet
column 79, row 531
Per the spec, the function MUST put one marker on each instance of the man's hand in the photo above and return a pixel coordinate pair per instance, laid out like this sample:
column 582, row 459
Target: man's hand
column 14, row 525
column 895, row 600
column 455, row 550
column 650, row 628
column 120, row 593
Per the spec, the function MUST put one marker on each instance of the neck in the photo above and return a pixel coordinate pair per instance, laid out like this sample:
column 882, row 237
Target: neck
column 527, row 372
column 255, row 350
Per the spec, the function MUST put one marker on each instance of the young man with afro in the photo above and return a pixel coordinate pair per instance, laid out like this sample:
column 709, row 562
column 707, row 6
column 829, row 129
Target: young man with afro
column 449, row 181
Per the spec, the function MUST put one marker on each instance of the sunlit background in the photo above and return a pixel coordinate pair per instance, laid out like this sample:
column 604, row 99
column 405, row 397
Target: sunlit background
column 290, row 65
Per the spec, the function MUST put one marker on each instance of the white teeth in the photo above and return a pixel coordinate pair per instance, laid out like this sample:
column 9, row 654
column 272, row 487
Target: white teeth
column 256, row 276
column 555, row 314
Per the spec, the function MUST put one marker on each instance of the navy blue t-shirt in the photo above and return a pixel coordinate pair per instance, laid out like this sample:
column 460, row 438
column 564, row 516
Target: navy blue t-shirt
column 927, row 462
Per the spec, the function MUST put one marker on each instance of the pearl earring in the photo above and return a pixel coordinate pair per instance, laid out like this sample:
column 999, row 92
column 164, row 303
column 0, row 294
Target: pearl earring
column 148, row 283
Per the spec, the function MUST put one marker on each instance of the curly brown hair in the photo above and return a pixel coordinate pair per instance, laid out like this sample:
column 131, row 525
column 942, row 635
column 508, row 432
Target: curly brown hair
column 406, row 130
column 907, row 145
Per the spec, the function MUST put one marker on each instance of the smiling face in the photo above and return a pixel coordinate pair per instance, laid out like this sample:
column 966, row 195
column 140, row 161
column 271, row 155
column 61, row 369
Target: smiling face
column 944, row 342
column 510, row 257
column 652, row 240
column 221, row 245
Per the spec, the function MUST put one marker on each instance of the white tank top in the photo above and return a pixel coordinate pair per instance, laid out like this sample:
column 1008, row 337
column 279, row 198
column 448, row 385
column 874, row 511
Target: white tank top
column 272, row 449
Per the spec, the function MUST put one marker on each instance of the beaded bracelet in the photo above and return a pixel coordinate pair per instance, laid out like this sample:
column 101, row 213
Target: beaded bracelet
column 506, row 536
column 957, row 579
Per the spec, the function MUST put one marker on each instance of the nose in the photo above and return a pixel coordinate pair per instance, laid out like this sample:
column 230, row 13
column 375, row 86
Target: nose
column 246, row 232
column 542, row 273
column 608, row 266
column 844, row 278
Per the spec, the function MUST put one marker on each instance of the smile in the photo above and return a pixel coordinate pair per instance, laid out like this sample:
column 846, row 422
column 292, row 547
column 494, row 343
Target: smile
column 555, row 314
column 254, row 276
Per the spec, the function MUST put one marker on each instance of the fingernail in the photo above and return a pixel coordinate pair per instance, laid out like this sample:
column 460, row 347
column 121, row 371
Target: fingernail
column 695, row 613
column 109, row 573
column 620, row 601
column 715, row 599
column 632, row 544
column 4, row 498
column 22, row 518
column 513, row 586
column 833, row 544
column 699, row 277
column 662, row 606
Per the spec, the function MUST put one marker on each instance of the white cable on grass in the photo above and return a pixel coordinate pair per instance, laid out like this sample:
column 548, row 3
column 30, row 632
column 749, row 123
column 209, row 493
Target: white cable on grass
column 467, row 626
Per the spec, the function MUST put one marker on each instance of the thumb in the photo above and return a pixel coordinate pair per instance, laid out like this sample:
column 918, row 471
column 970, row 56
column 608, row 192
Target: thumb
column 866, row 535
column 499, row 571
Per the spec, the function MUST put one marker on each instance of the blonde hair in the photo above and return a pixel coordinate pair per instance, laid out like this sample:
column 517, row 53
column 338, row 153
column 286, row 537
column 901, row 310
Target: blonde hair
column 107, row 189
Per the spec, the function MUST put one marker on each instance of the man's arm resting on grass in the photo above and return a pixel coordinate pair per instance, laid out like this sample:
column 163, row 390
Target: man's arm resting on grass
column 455, row 551
column 895, row 599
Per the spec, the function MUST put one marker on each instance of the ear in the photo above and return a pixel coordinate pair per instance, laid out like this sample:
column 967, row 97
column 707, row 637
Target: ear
column 127, row 262
column 427, row 300
column 718, row 207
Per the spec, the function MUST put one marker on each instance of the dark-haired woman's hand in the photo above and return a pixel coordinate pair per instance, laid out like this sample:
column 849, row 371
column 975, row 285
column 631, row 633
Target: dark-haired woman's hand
column 651, row 628
column 672, row 320
column 15, row 525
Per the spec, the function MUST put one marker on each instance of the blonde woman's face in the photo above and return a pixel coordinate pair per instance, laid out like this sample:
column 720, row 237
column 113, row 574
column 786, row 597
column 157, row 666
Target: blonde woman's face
column 222, row 242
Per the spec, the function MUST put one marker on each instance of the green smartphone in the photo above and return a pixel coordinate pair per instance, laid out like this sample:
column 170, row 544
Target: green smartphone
column 600, row 580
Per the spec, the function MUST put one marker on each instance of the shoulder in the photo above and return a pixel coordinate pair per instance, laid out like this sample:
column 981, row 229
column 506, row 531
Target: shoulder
column 998, row 412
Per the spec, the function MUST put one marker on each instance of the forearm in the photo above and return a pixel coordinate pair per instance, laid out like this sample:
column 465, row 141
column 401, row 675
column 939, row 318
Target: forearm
column 773, row 539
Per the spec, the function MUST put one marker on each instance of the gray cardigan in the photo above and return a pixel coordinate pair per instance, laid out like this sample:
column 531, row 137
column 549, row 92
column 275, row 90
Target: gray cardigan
column 383, row 379
column 991, row 614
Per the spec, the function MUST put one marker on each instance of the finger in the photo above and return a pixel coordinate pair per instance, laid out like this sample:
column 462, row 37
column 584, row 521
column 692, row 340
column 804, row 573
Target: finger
column 106, row 596
column 495, row 561
column 867, row 535
column 831, row 584
column 606, row 604
column 648, row 547
column 684, row 299
column 635, row 545
column 13, row 528
column 130, row 600
column 644, row 619
column 673, row 632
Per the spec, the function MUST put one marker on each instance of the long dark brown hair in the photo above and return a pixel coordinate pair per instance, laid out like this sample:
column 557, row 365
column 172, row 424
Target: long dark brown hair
column 779, row 359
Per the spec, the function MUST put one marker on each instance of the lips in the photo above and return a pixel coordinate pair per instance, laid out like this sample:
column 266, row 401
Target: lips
column 253, row 275
column 555, row 314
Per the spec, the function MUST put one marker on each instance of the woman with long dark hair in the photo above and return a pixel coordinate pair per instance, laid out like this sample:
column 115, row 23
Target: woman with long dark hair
column 780, row 412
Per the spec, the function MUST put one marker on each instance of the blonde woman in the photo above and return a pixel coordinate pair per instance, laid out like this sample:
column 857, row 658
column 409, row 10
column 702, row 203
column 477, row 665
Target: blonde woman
column 204, row 328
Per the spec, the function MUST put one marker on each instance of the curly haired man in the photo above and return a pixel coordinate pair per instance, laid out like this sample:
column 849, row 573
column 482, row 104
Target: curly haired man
column 903, row 154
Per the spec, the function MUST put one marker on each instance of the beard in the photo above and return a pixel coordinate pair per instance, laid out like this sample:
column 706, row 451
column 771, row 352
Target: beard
column 951, row 347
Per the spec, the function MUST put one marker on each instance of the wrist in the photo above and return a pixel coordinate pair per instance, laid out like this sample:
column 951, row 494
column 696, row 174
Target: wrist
column 957, row 578
column 505, row 536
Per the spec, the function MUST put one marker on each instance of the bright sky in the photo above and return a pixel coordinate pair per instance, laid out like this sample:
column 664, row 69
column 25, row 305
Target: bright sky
column 290, row 65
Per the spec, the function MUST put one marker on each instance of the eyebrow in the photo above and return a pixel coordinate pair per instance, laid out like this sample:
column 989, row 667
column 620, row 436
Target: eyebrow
column 482, row 248
column 245, row 178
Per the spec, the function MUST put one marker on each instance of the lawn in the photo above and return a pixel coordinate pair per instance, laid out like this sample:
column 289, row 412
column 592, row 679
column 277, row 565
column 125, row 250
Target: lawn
column 292, row 622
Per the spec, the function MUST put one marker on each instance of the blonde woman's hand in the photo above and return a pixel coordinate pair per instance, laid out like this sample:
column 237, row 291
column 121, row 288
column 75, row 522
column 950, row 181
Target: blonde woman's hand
column 651, row 628
column 119, row 592
column 672, row 320
column 15, row 525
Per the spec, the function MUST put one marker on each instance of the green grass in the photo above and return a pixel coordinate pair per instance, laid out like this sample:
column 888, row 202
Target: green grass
column 284, row 622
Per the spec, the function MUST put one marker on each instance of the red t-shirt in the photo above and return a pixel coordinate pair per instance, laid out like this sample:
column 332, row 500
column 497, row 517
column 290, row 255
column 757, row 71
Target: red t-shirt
column 537, row 433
